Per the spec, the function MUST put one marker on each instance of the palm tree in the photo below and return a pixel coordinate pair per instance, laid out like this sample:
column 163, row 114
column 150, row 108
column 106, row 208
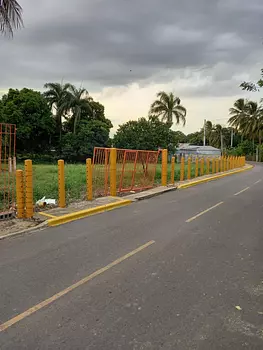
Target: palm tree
column 167, row 106
column 79, row 102
column 216, row 136
column 10, row 16
column 247, row 117
column 208, row 130
column 58, row 97
column 252, row 124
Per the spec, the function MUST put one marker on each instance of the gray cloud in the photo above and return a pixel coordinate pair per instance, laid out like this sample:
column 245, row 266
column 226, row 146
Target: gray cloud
column 106, row 43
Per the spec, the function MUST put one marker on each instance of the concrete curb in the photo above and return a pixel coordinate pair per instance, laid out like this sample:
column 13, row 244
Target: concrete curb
column 43, row 225
column 151, row 195
column 86, row 212
column 212, row 178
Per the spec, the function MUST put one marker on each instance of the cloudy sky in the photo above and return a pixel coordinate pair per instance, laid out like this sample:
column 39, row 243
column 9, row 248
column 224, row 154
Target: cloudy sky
column 125, row 51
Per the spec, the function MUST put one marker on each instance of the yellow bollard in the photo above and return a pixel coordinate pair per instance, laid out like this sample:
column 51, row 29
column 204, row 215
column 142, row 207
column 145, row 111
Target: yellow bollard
column 164, row 167
column 196, row 167
column 207, row 166
column 113, row 171
column 189, row 168
column 182, row 170
column 202, row 167
column 89, row 179
column 213, row 165
column 222, row 164
column 172, row 170
column 225, row 166
column 217, row 165
column 61, row 184
column 231, row 162
column 29, row 189
column 20, row 202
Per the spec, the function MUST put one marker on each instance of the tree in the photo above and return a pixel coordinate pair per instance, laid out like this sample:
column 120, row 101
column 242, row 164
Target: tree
column 247, row 117
column 195, row 138
column 79, row 102
column 145, row 134
column 238, row 114
column 30, row 112
column 167, row 106
column 91, row 133
column 216, row 136
column 10, row 16
column 58, row 98
column 208, row 130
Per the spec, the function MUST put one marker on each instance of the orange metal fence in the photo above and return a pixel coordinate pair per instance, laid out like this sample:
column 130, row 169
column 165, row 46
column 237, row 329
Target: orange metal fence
column 135, row 170
column 7, row 167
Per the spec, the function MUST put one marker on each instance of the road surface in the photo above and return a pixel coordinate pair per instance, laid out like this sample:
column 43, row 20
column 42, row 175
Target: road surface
column 180, row 271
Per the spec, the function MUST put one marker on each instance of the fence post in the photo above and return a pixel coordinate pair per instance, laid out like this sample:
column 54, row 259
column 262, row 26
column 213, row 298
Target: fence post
column 61, row 184
column 164, row 167
column 29, row 188
column 207, row 166
column 202, row 167
column 172, row 170
column 20, row 194
column 113, row 172
column 224, row 165
column 189, row 168
column 221, row 163
column 217, row 165
column 182, row 169
column 196, row 166
column 213, row 165
column 89, row 179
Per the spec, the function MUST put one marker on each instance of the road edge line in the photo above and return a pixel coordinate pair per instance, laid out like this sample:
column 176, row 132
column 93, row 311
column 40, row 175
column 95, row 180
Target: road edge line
column 60, row 220
column 197, row 182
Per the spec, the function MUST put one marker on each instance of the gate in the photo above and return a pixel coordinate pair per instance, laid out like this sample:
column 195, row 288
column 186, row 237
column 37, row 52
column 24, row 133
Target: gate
column 7, row 167
column 135, row 170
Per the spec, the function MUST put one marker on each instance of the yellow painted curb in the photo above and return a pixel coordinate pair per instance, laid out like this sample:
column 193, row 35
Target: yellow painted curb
column 197, row 182
column 59, row 220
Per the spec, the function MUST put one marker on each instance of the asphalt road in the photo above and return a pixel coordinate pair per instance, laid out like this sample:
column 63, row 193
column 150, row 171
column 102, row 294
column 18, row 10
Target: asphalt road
column 197, row 284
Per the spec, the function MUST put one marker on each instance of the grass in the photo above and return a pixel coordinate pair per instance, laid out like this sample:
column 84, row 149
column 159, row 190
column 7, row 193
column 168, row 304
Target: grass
column 45, row 179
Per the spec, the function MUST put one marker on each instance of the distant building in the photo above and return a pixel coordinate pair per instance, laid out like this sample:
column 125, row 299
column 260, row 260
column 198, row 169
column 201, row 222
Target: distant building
column 186, row 150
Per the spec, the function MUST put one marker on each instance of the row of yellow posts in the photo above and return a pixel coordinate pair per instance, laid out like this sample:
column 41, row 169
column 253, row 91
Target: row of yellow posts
column 202, row 166
column 24, row 185
column 24, row 179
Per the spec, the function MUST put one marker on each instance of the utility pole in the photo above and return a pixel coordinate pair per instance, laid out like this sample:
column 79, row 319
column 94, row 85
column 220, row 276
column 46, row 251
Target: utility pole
column 232, row 136
column 204, row 130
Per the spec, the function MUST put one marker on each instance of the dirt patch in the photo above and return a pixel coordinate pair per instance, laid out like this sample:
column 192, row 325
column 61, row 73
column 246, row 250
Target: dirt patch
column 15, row 225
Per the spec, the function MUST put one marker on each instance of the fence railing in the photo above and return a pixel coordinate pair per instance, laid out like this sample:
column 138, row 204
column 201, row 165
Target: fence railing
column 115, row 171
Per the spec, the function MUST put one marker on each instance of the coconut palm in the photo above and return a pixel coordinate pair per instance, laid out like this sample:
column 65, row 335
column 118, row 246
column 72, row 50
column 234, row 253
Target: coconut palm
column 216, row 135
column 252, row 124
column 168, row 107
column 59, row 98
column 10, row 16
column 238, row 114
column 208, row 130
column 79, row 102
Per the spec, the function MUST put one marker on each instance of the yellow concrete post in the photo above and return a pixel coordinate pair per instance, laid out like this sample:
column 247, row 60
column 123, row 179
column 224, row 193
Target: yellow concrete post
column 196, row 167
column 231, row 162
column 189, row 168
column 20, row 202
column 225, row 164
column 202, row 167
column 61, row 184
column 217, row 165
column 213, row 165
column 113, row 172
column 29, row 189
column 244, row 161
column 182, row 170
column 89, row 179
column 207, row 166
column 172, row 169
column 164, row 167
column 222, row 164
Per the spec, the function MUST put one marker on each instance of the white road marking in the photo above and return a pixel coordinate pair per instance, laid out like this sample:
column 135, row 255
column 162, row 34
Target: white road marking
column 245, row 189
column 203, row 212
column 257, row 182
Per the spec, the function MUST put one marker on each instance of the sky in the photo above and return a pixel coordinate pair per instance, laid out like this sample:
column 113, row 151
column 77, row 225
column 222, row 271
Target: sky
column 125, row 51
